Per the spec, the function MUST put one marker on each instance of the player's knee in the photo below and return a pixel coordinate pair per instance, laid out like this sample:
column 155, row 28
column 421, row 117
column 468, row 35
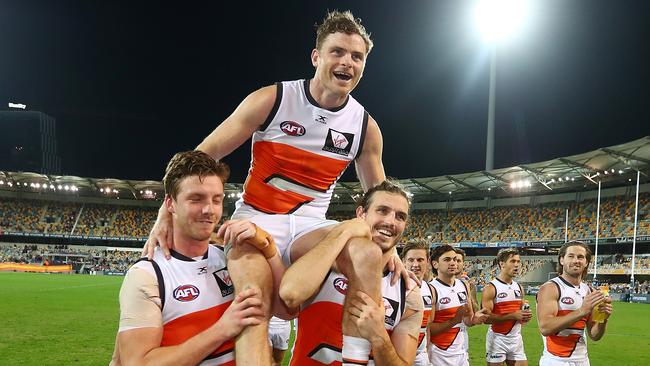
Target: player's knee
column 361, row 254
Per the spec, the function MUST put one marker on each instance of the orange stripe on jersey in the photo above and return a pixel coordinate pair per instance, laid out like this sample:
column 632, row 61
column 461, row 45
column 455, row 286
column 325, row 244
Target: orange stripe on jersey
column 445, row 339
column 580, row 324
column 309, row 171
column 181, row 329
column 562, row 346
column 320, row 335
column 505, row 307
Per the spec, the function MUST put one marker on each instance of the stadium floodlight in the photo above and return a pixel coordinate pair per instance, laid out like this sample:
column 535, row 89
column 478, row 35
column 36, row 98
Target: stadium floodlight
column 498, row 19
column 2, row 182
column 17, row 105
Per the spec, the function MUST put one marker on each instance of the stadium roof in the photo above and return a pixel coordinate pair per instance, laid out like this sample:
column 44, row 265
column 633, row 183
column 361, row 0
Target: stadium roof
column 613, row 166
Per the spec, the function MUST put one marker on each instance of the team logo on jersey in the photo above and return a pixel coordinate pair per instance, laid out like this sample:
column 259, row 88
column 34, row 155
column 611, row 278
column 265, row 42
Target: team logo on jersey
column 567, row 300
column 341, row 285
column 392, row 308
column 202, row 270
column 445, row 301
column 338, row 142
column 428, row 301
column 292, row 128
column 502, row 295
column 186, row 293
column 462, row 297
column 225, row 283
column 517, row 294
column 320, row 119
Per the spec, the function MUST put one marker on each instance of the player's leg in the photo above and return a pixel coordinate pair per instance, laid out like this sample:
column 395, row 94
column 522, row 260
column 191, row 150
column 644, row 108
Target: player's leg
column 249, row 269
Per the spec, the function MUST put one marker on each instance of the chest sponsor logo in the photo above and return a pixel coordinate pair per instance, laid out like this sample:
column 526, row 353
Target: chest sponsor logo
column 567, row 300
column 445, row 300
column 462, row 297
column 341, row 285
column 292, row 128
column 338, row 142
column 186, row 293
column 517, row 294
column 225, row 283
column 392, row 308
column 502, row 295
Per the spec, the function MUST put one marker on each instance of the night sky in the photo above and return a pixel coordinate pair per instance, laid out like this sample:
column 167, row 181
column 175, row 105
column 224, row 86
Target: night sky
column 132, row 82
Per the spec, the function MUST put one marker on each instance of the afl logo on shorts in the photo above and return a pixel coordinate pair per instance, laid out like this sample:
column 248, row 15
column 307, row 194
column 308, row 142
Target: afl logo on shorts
column 567, row 301
column 185, row 293
column 502, row 295
column 445, row 300
column 292, row 128
column 341, row 285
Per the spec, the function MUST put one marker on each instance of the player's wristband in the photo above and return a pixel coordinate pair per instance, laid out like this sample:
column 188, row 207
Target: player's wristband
column 264, row 242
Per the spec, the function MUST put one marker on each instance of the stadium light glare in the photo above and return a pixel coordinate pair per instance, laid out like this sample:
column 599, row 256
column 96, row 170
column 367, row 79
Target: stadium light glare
column 66, row 187
column 10, row 184
column 2, row 182
column 620, row 172
column 612, row 170
column 559, row 179
column 498, row 19
column 606, row 172
column 59, row 187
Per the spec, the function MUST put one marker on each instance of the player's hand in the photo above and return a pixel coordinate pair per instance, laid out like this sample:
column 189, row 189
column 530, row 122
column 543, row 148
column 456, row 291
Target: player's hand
column 606, row 307
column 522, row 316
column 590, row 301
column 161, row 235
column 245, row 310
column 355, row 228
column 480, row 316
column 368, row 316
column 396, row 266
column 236, row 232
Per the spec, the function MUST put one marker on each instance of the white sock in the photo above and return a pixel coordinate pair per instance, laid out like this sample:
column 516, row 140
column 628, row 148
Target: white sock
column 356, row 351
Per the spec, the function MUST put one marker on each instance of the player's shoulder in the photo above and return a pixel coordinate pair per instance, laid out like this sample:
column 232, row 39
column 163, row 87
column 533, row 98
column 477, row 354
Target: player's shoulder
column 550, row 288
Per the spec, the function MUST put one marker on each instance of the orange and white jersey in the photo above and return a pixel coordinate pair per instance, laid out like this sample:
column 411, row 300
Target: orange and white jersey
column 508, row 299
column 194, row 295
column 301, row 151
column 319, row 335
column 569, row 344
column 449, row 300
column 425, row 292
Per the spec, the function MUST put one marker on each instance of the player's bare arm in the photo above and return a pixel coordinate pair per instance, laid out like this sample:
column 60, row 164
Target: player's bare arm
column 229, row 135
column 547, row 309
column 369, row 166
column 304, row 277
column 241, row 124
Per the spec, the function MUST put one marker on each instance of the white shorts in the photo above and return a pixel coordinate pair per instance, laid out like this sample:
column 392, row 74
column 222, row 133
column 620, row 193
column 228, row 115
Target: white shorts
column 279, row 331
column 439, row 359
column 284, row 229
column 499, row 348
column 548, row 361
column 421, row 359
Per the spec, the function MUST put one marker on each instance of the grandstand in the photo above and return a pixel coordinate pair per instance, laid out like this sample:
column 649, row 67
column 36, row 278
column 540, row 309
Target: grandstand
column 533, row 206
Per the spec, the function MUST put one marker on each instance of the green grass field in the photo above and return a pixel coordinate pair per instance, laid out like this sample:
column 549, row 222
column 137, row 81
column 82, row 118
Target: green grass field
column 53, row 319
